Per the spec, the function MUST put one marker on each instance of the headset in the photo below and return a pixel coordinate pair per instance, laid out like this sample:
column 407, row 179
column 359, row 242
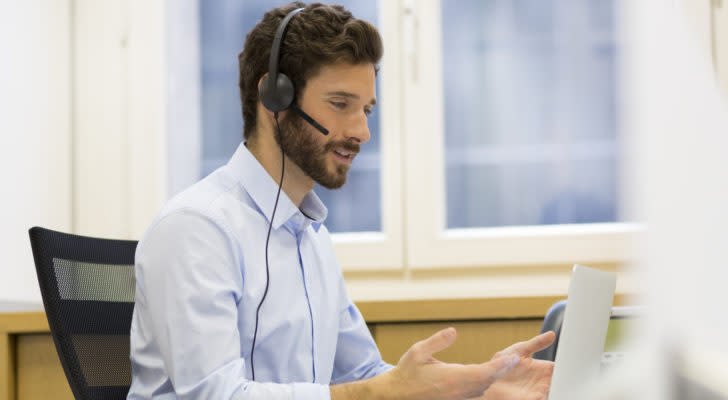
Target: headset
column 277, row 94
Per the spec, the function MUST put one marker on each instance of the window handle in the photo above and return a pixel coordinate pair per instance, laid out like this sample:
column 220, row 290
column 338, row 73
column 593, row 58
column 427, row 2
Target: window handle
column 714, row 4
column 411, row 37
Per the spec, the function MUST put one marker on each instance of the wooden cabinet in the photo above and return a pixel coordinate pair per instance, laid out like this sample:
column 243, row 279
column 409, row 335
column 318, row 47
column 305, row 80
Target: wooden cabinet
column 484, row 325
column 476, row 342
column 30, row 369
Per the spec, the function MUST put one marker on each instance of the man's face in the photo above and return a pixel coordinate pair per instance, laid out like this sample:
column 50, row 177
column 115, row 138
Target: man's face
column 339, row 98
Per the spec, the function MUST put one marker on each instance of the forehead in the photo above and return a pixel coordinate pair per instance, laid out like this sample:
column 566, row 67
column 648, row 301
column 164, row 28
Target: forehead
column 358, row 79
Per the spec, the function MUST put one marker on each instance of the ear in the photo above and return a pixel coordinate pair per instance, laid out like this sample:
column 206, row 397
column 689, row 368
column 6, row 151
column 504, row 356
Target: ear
column 260, row 81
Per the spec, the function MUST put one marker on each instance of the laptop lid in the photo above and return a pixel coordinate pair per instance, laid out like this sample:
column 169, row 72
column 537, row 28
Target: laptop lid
column 584, row 330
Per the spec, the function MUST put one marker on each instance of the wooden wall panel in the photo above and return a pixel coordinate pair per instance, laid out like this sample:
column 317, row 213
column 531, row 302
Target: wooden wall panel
column 477, row 341
column 39, row 372
column 7, row 366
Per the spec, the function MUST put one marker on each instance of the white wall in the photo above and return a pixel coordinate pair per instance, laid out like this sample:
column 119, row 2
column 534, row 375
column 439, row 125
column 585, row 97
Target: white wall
column 35, row 127
column 130, row 57
column 84, row 124
column 119, row 141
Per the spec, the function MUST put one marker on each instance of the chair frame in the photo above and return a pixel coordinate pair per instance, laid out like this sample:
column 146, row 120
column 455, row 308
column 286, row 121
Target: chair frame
column 47, row 245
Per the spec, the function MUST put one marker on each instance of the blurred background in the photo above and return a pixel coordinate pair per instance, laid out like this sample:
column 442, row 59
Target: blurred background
column 512, row 139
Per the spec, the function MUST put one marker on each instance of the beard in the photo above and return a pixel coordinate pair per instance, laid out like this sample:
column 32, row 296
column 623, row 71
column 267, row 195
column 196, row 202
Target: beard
column 301, row 146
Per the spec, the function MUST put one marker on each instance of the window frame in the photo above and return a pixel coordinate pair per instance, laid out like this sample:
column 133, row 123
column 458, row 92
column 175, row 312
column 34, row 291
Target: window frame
column 429, row 244
column 413, row 235
column 383, row 250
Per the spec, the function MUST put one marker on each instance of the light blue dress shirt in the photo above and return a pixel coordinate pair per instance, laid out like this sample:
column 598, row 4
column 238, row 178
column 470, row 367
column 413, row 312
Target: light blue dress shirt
column 200, row 274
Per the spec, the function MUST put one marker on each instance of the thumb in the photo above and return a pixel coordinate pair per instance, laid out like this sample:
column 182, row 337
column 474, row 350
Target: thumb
column 525, row 349
column 423, row 350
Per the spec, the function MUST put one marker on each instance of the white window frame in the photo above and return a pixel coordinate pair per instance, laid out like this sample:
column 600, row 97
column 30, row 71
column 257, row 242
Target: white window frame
column 384, row 250
column 429, row 244
column 413, row 235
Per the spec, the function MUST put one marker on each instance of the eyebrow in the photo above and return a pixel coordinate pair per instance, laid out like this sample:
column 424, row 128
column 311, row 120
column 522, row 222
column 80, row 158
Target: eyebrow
column 341, row 93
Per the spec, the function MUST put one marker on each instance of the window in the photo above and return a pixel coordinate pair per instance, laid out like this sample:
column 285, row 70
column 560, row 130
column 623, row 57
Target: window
column 498, row 125
column 529, row 108
column 223, row 27
column 365, row 212
column 494, row 143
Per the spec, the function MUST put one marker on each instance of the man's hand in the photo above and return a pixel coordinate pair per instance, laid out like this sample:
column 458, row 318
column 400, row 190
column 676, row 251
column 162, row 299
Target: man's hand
column 419, row 375
column 510, row 374
column 530, row 379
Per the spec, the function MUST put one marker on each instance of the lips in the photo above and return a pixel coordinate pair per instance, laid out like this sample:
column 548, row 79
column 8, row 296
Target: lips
column 344, row 153
column 344, row 156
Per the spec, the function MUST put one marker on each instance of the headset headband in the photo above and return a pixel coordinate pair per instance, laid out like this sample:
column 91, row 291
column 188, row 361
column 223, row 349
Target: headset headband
column 277, row 41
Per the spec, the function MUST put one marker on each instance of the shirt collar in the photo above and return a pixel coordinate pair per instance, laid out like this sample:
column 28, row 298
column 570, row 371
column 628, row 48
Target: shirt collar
column 262, row 188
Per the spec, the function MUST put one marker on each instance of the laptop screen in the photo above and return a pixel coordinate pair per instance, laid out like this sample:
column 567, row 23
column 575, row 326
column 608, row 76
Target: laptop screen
column 621, row 324
column 583, row 331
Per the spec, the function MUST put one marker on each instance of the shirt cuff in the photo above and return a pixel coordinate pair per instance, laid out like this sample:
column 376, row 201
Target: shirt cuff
column 306, row 391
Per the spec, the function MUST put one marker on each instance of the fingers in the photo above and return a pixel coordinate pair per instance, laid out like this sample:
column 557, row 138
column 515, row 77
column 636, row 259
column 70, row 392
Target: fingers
column 419, row 371
column 525, row 349
column 423, row 350
column 537, row 343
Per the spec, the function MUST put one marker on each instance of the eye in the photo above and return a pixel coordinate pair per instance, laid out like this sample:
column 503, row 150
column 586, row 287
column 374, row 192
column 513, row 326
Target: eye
column 338, row 104
column 368, row 111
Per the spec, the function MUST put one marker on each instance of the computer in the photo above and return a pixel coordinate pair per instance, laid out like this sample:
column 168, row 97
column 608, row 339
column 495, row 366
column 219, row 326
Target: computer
column 623, row 321
column 583, row 332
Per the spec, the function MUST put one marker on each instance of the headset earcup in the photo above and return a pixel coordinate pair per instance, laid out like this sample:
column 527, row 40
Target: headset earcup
column 276, row 97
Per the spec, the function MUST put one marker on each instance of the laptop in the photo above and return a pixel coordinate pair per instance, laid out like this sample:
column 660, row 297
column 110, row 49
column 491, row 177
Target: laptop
column 583, row 332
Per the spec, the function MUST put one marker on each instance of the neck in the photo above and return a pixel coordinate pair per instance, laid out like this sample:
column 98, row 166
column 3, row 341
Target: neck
column 268, row 153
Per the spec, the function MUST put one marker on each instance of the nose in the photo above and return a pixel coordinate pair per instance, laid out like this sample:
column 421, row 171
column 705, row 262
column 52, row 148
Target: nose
column 359, row 129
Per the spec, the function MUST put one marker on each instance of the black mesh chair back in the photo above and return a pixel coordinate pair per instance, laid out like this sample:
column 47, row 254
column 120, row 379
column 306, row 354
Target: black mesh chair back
column 87, row 285
column 552, row 322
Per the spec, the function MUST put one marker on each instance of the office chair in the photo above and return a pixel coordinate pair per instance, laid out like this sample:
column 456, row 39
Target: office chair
column 552, row 322
column 555, row 317
column 87, row 285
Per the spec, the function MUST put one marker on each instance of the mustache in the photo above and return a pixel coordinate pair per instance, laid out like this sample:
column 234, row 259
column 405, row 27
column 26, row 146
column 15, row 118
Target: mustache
column 343, row 144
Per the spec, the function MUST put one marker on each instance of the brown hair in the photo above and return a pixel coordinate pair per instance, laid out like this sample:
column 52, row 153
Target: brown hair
column 319, row 35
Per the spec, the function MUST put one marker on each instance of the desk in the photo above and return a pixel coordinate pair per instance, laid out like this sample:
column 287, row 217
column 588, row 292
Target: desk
column 30, row 369
column 29, row 365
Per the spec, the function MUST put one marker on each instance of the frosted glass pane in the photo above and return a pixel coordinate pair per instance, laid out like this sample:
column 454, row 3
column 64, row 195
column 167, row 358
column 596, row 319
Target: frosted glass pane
column 223, row 27
column 530, row 120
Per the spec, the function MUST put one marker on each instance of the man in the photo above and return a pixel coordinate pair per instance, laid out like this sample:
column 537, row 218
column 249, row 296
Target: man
column 239, row 294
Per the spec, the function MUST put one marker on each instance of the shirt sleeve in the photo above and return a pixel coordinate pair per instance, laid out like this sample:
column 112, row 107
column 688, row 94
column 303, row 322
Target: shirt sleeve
column 357, row 356
column 189, row 268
